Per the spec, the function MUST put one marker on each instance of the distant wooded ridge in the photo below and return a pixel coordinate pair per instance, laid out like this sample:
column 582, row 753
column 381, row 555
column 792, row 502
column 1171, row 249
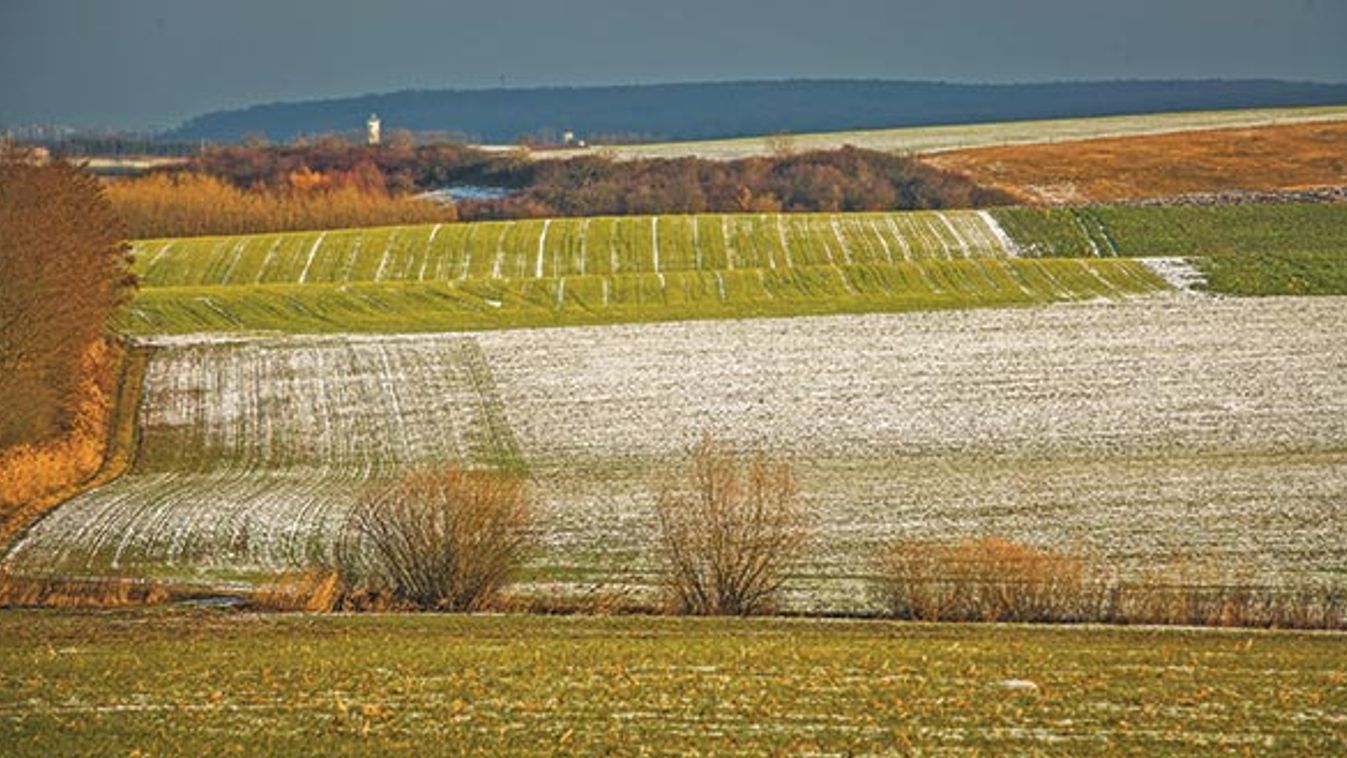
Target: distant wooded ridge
column 733, row 109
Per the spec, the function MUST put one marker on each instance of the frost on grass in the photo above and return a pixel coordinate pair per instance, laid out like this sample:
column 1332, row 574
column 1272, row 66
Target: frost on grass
column 1138, row 430
column 252, row 452
column 1179, row 273
column 1141, row 430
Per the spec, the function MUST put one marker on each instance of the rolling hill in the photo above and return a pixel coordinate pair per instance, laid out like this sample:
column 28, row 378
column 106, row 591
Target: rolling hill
column 737, row 109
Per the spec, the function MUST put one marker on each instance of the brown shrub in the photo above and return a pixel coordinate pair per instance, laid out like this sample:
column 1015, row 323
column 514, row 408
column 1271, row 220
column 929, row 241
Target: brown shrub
column 988, row 579
column 729, row 536
column 446, row 539
column 994, row 579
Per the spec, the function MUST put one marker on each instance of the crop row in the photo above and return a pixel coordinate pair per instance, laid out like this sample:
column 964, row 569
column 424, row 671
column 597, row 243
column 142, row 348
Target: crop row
column 1138, row 429
column 546, row 248
column 613, row 298
column 249, row 451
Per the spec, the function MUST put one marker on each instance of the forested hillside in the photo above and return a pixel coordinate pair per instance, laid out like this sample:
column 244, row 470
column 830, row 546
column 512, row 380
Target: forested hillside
column 732, row 109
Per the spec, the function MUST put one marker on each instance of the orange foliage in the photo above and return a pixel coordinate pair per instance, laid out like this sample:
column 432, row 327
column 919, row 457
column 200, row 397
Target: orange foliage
column 31, row 471
column 178, row 205
column 1267, row 158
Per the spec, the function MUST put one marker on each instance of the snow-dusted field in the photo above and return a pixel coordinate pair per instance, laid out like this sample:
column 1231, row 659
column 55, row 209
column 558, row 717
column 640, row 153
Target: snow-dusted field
column 1138, row 429
column 251, row 452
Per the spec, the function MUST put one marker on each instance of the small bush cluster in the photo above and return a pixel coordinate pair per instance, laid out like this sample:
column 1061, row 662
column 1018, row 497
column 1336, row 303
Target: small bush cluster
column 994, row 579
column 729, row 531
column 443, row 540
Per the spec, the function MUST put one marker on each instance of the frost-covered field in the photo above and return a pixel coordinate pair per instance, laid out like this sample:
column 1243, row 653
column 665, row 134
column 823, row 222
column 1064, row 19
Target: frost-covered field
column 1141, row 428
column 250, row 452
column 935, row 139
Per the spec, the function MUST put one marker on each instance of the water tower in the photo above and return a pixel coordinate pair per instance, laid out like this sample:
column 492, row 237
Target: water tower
column 372, row 129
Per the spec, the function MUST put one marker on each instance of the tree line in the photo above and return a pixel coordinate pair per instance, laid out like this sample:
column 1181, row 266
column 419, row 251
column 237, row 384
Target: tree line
column 64, row 270
column 328, row 182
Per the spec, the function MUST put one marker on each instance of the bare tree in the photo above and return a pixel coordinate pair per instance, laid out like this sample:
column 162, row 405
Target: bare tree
column 729, row 535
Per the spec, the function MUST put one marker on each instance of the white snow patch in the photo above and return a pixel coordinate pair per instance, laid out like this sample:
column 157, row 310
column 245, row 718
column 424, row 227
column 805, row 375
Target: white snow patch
column 1179, row 273
column 1007, row 244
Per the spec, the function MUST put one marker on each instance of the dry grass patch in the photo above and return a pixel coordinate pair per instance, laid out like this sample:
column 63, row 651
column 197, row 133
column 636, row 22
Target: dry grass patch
column 36, row 477
column 1270, row 158
column 58, row 592
column 987, row 579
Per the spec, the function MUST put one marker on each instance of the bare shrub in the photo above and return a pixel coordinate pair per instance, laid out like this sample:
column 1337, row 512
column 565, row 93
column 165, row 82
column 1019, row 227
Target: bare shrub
column 987, row 579
column 994, row 579
column 445, row 539
column 728, row 537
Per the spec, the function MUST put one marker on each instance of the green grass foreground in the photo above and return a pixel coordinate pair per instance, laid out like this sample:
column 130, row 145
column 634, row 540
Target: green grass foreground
column 179, row 682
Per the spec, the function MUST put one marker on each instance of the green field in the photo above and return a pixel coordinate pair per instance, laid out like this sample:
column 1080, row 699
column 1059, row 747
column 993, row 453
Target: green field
column 1277, row 273
column 573, row 271
column 627, row 298
column 928, row 139
column 603, row 270
column 567, row 247
column 201, row 682
column 1179, row 231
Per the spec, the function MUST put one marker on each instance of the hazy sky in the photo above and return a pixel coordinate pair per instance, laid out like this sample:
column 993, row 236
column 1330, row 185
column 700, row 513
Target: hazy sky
column 153, row 63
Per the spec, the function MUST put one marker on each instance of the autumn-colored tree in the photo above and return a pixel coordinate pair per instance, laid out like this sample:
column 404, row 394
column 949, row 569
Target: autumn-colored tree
column 184, row 204
column 64, row 270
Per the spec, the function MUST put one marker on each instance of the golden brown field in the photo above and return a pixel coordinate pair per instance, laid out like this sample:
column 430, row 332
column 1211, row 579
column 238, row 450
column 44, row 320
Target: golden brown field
column 1266, row 158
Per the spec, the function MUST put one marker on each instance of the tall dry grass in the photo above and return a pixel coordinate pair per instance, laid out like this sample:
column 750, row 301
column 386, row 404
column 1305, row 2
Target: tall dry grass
column 989, row 579
column 184, row 205
column 994, row 579
column 55, row 592
column 445, row 539
column 730, row 533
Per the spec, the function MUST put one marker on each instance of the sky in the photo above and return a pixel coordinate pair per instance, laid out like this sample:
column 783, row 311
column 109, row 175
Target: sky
column 150, row 64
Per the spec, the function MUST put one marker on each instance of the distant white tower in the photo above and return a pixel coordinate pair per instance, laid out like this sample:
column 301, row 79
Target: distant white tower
column 372, row 129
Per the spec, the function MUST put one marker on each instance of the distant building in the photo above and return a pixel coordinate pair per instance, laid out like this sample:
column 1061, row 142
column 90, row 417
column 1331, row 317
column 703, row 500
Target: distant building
column 372, row 129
